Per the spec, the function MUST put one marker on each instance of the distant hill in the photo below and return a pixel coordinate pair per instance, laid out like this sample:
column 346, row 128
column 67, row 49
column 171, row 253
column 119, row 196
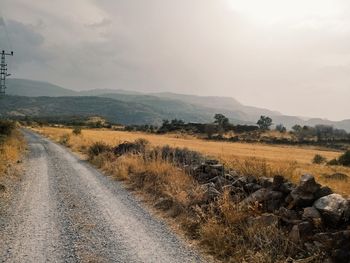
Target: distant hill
column 247, row 113
column 32, row 88
column 129, row 107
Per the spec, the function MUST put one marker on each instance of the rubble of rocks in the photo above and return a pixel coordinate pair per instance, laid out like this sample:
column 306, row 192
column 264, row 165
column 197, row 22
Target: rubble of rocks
column 314, row 216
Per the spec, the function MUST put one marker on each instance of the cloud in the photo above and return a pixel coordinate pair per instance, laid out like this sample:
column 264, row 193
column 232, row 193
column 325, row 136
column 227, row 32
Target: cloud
column 190, row 46
column 104, row 22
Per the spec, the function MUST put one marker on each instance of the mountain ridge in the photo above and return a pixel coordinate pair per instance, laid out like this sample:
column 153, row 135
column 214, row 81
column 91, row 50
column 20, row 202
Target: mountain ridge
column 161, row 105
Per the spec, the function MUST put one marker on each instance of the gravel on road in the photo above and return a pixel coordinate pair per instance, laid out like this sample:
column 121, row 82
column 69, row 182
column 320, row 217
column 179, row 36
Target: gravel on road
column 67, row 211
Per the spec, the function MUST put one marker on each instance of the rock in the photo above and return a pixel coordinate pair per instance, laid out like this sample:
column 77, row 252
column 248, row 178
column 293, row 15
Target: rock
column 258, row 196
column 324, row 238
column 294, row 234
column 287, row 187
column 274, row 201
column 264, row 220
column 216, row 169
column 301, row 231
column 219, row 182
column 311, row 213
column 305, row 228
column 204, row 177
column 265, row 182
column 300, row 198
column 288, row 216
column 341, row 255
column 233, row 190
column 304, row 194
column 308, row 184
column 251, row 187
column 323, row 191
column 251, row 179
column 211, row 162
column 240, row 182
column 334, row 208
column 278, row 180
column 271, row 200
column 230, row 177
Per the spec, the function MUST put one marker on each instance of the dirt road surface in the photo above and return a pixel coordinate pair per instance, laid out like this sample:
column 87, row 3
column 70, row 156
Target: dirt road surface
column 66, row 211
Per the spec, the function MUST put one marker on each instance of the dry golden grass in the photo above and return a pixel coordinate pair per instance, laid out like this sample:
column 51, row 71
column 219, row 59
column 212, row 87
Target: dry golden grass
column 268, row 160
column 10, row 151
column 221, row 227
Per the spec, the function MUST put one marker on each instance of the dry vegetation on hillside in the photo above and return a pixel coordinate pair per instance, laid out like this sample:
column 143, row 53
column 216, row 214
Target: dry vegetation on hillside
column 258, row 159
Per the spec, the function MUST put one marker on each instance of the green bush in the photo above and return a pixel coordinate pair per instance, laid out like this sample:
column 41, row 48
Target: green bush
column 76, row 130
column 319, row 159
column 333, row 162
column 6, row 127
column 345, row 159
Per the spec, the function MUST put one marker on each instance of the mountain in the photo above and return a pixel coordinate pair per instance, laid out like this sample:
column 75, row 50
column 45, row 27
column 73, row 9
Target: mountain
column 111, row 109
column 248, row 113
column 32, row 88
column 128, row 107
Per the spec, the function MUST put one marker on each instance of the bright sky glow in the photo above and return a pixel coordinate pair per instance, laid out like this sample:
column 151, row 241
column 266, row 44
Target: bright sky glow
column 276, row 11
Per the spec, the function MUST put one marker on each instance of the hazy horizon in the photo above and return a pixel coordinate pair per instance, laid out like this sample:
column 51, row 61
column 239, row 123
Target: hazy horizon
column 288, row 56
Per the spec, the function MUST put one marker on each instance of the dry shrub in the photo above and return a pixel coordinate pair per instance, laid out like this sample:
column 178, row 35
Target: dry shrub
column 228, row 234
column 64, row 139
column 98, row 148
column 76, row 130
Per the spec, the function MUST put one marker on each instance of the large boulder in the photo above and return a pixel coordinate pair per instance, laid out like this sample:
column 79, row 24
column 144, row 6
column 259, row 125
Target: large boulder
column 305, row 194
column 334, row 208
column 300, row 231
column 308, row 184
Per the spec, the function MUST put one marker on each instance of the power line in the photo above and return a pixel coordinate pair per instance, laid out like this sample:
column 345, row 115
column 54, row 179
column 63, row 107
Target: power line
column 3, row 64
column 3, row 71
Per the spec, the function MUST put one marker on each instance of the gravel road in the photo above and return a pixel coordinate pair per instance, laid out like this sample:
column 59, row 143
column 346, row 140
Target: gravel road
column 66, row 211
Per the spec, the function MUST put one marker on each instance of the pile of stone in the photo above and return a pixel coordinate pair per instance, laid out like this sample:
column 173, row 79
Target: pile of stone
column 314, row 216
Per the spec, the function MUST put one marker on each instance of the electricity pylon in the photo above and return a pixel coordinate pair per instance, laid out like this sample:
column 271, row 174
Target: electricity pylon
column 3, row 71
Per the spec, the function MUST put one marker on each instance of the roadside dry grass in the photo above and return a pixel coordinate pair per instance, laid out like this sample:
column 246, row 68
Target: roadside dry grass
column 221, row 227
column 257, row 159
column 11, row 150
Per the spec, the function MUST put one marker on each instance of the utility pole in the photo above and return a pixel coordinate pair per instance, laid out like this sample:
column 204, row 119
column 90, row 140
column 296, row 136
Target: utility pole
column 3, row 71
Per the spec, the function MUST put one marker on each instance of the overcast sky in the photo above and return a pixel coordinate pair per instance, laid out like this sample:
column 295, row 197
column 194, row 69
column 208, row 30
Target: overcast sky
column 287, row 55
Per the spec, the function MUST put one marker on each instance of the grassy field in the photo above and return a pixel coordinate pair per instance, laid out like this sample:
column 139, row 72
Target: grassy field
column 260, row 159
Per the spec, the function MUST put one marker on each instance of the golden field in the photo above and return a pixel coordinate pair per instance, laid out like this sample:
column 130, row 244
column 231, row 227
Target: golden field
column 268, row 160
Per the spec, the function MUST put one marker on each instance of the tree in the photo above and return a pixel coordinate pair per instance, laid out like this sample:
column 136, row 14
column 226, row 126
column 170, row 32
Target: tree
column 324, row 132
column 222, row 122
column 281, row 128
column 264, row 123
column 297, row 128
column 210, row 130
